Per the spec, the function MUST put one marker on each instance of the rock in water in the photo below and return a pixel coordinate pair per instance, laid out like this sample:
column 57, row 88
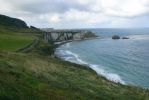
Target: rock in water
column 125, row 38
column 115, row 37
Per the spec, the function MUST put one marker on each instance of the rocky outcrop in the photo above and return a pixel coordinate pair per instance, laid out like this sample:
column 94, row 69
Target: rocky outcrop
column 89, row 34
column 84, row 34
column 115, row 37
column 125, row 38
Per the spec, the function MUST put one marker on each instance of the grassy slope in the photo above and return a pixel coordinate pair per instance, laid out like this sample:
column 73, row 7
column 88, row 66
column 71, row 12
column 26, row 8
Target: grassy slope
column 13, row 39
column 38, row 77
column 12, row 22
column 35, row 76
column 28, row 76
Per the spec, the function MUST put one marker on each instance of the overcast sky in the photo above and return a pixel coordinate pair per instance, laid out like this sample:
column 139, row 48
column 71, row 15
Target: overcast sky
column 79, row 13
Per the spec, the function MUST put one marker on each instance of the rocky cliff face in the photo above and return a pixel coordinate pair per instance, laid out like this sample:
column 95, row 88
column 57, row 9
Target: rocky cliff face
column 84, row 35
column 66, row 35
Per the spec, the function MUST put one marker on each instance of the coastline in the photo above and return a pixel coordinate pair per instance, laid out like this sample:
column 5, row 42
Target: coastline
column 58, row 44
column 98, row 71
column 32, row 73
column 64, row 42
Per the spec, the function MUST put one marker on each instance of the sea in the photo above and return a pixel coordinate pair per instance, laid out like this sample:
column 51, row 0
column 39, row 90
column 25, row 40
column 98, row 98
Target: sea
column 125, row 60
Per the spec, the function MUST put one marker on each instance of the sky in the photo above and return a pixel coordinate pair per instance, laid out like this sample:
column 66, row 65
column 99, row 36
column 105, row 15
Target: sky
column 79, row 13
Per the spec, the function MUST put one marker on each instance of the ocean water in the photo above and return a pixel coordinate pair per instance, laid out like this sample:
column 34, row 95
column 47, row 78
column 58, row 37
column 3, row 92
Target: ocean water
column 124, row 61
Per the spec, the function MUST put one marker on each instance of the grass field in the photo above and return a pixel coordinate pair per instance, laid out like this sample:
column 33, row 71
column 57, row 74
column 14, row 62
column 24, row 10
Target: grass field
column 13, row 39
column 14, row 42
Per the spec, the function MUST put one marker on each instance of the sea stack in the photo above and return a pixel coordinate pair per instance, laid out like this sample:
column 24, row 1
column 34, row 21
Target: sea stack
column 115, row 37
column 125, row 38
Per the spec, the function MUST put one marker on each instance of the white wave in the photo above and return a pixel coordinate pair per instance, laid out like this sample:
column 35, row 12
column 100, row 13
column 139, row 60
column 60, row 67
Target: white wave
column 110, row 76
column 100, row 71
column 78, row 60
column 67, row 45
column 139, row 37
column 59, row 52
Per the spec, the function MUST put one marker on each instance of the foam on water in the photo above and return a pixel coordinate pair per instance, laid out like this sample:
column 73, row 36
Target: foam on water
column 110, row 76
column 68, row 45
column 139, row 37
column 76, row 58
column 73, row 57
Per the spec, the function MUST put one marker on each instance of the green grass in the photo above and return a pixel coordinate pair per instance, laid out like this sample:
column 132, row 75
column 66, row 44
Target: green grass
column 30, row 76
column 37, row 76
column 13, row 39
column 14, row 42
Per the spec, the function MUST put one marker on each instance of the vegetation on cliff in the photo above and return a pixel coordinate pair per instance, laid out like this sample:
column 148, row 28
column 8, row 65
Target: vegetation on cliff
column 13, row 22
column 89, row 34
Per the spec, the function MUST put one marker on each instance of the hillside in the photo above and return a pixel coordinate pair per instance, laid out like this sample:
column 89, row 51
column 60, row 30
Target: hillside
column 15, row 34
column 12, row 22
column 12, row 39
column 35, row 75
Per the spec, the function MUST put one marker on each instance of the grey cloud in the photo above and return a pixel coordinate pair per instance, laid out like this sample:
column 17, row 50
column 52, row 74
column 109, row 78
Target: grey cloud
column 49, row 6
column 40, row 12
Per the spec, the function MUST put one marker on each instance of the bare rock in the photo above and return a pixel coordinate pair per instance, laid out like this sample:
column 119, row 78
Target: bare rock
column 115, row 37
